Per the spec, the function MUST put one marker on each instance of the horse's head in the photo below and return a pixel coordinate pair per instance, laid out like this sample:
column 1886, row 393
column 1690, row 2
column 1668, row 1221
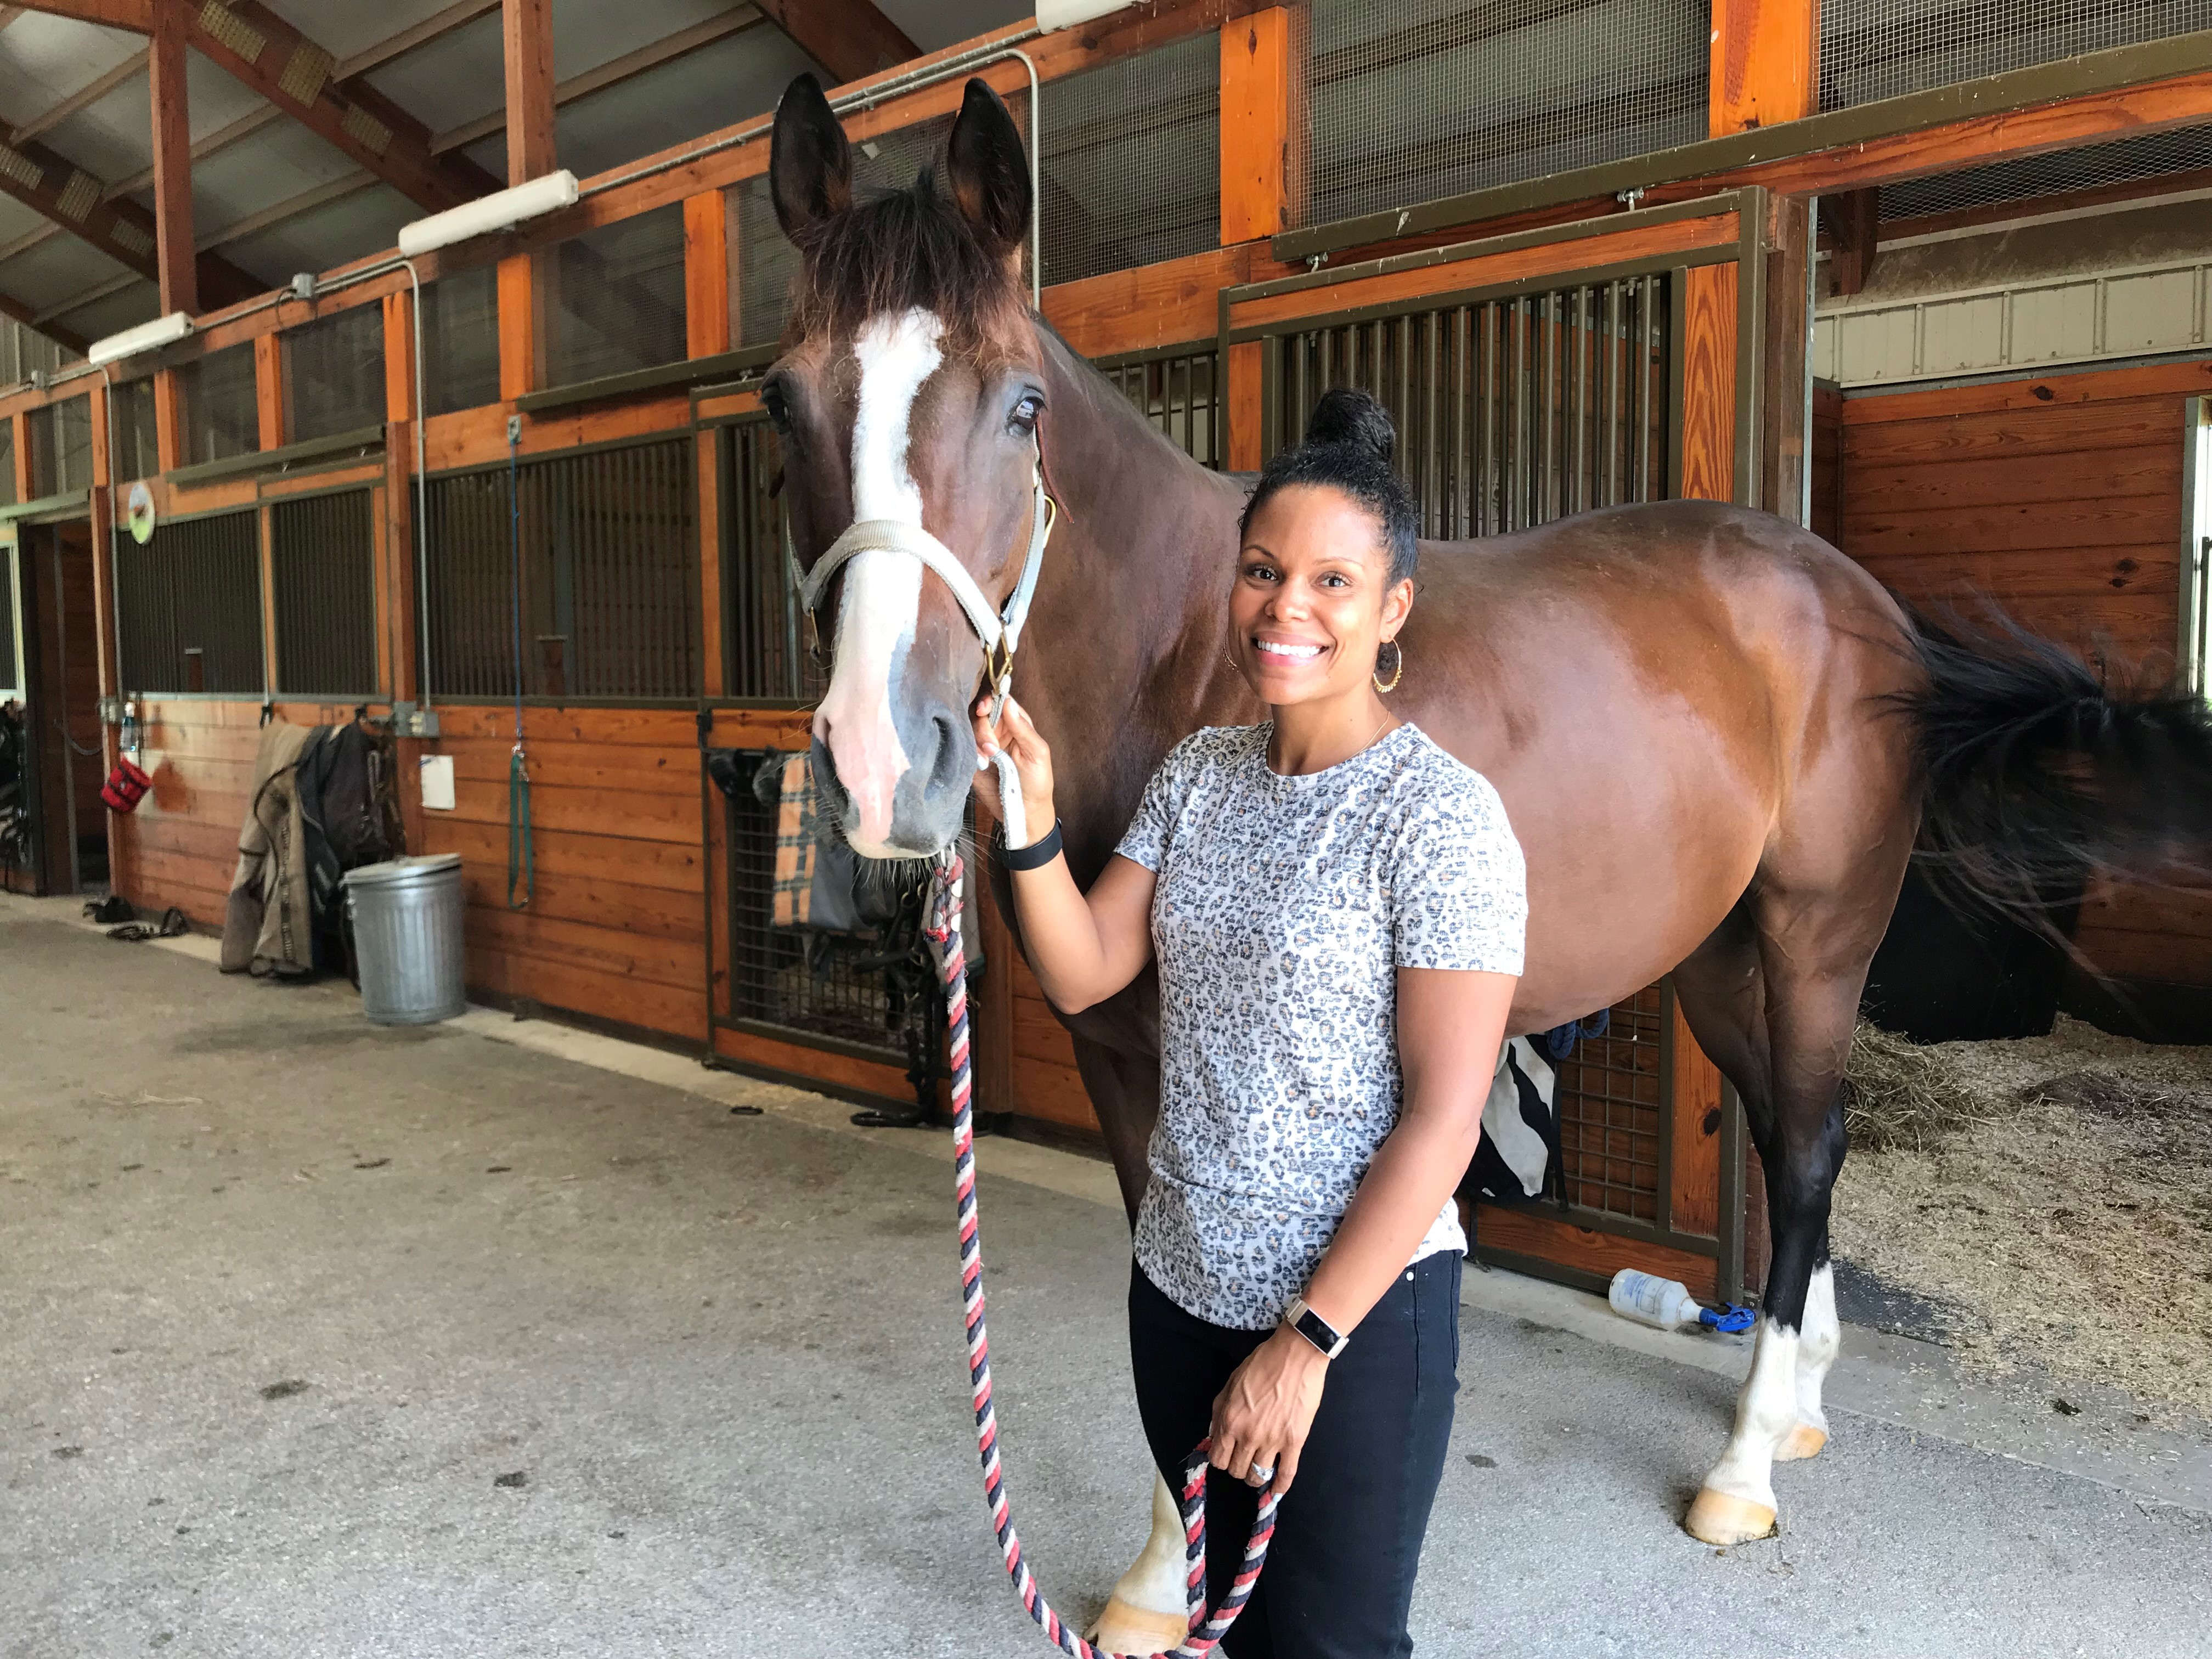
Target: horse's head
column 907, row 400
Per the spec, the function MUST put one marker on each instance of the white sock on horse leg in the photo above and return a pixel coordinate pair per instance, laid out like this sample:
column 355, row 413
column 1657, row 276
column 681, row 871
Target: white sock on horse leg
column 1148, row 1611
column 1737, row 1501
column 1817, row 1346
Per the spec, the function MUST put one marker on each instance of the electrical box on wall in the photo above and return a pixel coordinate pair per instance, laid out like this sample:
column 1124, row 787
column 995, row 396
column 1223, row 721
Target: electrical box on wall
column 409, row 720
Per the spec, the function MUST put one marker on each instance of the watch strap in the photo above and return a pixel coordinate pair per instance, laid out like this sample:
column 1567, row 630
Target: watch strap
column 1307, row 1324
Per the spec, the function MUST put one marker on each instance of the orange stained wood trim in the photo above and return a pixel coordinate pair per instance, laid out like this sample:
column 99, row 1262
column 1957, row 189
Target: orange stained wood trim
column 1485, row 271
column 469, row 436
column 2029, row 392
column 765, row 728
column 517, row 325
column 1247, row 403
column 1549, row 1239
column 527, row 37
column 710, row 560
column 173, row 258
column 175, row 501
column 706, row 285
column 275, row 487
column 398, row 357
column 1167, row 304
column 1260, row 75
column 799, row 1060
column 1709, row 411
column 1764, row 63
column 1694, row 1101
column 22, row 457
column 269, row 390
column 136, row 15
column 850, row 38
column 728, row 405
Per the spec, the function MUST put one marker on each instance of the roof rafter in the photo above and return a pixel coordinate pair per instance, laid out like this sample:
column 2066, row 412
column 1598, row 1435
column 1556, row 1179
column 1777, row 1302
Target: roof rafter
column 850, row 38
column 90, row 92
column 16, row 311
column 134, row 15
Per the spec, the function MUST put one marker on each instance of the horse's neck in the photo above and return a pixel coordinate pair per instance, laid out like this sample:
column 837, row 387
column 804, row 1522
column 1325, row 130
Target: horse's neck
column 1133, row 606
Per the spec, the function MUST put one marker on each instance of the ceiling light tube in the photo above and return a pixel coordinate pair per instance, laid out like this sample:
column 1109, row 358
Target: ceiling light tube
column 501, row 212
column 162, row 330
column 1066, row 14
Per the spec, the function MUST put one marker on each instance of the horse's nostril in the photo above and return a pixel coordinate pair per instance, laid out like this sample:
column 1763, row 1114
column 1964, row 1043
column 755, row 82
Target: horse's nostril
column 951, row 759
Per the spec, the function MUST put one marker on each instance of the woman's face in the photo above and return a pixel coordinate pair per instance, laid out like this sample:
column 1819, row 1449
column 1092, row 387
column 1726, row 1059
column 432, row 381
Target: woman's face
column 1313, row 599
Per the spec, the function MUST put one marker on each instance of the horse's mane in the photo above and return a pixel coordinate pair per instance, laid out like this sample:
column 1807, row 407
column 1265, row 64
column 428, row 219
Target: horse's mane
column 899, row 250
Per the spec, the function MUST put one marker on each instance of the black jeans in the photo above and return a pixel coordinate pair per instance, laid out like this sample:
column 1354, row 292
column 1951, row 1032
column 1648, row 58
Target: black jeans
column 1340, row 1575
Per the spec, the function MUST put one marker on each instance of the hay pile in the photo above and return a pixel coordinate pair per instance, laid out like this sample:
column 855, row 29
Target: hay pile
column 2056, row 1191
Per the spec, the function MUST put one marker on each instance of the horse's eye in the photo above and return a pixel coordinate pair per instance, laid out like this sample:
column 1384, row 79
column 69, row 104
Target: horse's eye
column 1023, row 418
column 778, row 407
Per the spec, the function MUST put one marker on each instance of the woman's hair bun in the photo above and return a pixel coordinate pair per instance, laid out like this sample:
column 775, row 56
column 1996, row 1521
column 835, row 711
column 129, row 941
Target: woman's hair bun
column 1349, row 416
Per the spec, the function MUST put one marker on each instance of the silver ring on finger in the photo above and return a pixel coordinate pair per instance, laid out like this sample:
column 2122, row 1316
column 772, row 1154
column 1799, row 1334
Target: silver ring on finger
column 1260, row 1474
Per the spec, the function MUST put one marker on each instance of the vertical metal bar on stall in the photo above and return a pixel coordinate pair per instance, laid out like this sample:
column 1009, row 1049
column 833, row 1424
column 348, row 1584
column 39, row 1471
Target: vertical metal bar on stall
column 1645, row 291
column 1547, row 411
column 1433, row 505
column 1490, row 480
column 1517, row 475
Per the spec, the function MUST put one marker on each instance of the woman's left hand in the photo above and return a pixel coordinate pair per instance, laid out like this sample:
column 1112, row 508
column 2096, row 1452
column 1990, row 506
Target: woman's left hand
column 1264, row 1412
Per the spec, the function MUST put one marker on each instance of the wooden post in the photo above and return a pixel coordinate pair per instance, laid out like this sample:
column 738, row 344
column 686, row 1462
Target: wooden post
column 1765, row 57
column 707, row 288
column 1262, row 137
column 398, row 588
column 269, row 390
column 168, row 422
column 529, row 42
column 22, row 465
column 518, row 326
column 174, row 253
column 1853, row 221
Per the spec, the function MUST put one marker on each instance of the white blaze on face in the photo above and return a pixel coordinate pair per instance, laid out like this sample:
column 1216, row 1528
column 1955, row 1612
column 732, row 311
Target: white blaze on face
column 882, row 597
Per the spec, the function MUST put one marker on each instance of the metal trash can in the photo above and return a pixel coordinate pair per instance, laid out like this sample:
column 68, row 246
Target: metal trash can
column 406, row 917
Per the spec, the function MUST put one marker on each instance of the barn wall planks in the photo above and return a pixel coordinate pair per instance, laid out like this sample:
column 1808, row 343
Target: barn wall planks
column 2059, row 497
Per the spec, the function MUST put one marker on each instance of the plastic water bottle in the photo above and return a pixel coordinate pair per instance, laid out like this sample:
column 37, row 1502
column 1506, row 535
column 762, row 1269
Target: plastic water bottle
column 1650, row 1300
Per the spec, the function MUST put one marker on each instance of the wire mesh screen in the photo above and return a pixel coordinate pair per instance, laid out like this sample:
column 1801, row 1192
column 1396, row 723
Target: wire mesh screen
column 461, row 341
column 334, row 374
column 1413, row 100
column 767, row 264
column 188, row 606
column 217, row 409
column 764, row 634
column 818, row 985
column 8, row 685
column 322, row 563
column 616, row 300
column 1611, row 1099
column 1129, row 161
column 1875, row 49
column 1511, row 412
column 609, row 557
column 135, row 452
column 61, row 448
column 2152, row 156
column 1179, row 393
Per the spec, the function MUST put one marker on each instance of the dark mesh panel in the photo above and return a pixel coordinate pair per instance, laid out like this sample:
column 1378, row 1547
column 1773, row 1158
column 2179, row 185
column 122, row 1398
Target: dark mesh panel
column 461, row 341
column 334, row 374
column 189, row 603
column 610, row 569
column 763, row 633
column 218, row 413
column 1130, row 161
column 615, row 299
column 1875, row 49
column 1413, row 99
column 135, row 452
column 322, row 558
column 7, row 463
column 61, row 448
column 2125, row 161
column 8, row 685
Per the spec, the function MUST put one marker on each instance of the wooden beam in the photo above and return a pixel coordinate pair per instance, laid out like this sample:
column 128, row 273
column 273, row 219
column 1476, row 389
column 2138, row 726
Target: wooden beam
column 518, row 327
column 848, row 37
column 1261, row 136
column 261, row 50
column 531, row 152
column 707, row 288
column 136, row 15
column 168, row 421
column 1764, row 55
column 176, row 272
column 269, row 391
column 1853, row 221
column 16, row 311
column 86, row 95
column 432, row 28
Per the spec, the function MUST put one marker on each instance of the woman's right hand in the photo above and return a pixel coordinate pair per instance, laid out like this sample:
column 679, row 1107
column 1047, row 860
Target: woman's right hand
column 1032, row 758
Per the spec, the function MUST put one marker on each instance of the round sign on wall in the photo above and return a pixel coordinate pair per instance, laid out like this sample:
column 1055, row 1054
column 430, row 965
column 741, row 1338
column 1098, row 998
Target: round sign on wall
column 140, row 507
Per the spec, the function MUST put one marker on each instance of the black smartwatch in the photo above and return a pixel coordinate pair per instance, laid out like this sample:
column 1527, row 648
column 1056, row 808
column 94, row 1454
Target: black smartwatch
column 1038, row 853
column 1316, row 1329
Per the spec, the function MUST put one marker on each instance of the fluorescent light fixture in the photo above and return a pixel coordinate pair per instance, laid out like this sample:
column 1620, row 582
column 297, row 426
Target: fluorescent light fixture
column 162, row 330
column 1065, row 14
column 502, row 211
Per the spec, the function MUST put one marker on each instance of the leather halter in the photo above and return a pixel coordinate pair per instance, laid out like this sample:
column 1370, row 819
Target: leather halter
column 1000, row 630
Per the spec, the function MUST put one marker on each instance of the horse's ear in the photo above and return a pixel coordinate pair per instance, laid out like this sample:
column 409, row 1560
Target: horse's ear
column 989, row 170
column 809, row 166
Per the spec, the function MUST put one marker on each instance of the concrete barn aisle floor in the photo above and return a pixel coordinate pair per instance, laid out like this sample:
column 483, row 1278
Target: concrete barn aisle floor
column 321, row 1339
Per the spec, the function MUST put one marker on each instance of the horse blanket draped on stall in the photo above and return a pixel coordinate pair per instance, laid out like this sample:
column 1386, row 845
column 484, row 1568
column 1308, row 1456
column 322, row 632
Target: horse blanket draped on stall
column 317, row 811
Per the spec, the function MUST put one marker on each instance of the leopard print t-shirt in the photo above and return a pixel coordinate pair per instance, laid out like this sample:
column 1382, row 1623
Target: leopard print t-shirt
column 1283, row 907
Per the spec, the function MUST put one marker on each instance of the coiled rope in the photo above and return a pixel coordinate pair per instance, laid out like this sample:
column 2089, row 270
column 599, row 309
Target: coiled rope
column 1206, row 1629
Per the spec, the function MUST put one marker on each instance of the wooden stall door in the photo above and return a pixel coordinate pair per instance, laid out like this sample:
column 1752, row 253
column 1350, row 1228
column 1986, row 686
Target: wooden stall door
column 1533, row 376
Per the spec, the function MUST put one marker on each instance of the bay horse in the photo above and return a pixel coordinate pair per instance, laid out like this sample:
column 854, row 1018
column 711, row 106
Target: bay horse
column 1717, row 738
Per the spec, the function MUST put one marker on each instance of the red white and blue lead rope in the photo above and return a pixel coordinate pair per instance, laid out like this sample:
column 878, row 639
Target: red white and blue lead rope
column 1206, row 1629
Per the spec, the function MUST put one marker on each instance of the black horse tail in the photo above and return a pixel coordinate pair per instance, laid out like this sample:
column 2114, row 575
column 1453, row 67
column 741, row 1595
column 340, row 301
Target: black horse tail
column 2035, row 767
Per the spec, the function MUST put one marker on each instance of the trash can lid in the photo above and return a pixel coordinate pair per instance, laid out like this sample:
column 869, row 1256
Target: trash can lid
column 393, row 872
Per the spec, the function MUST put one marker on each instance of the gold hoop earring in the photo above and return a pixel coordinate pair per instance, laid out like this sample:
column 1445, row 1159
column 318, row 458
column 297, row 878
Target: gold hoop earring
column 1397, row 666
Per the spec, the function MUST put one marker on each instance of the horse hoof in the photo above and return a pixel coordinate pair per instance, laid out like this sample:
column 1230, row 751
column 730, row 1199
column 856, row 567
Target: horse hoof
column 1723, row 1518
column 1802, row 1441
column 1125, row 1629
